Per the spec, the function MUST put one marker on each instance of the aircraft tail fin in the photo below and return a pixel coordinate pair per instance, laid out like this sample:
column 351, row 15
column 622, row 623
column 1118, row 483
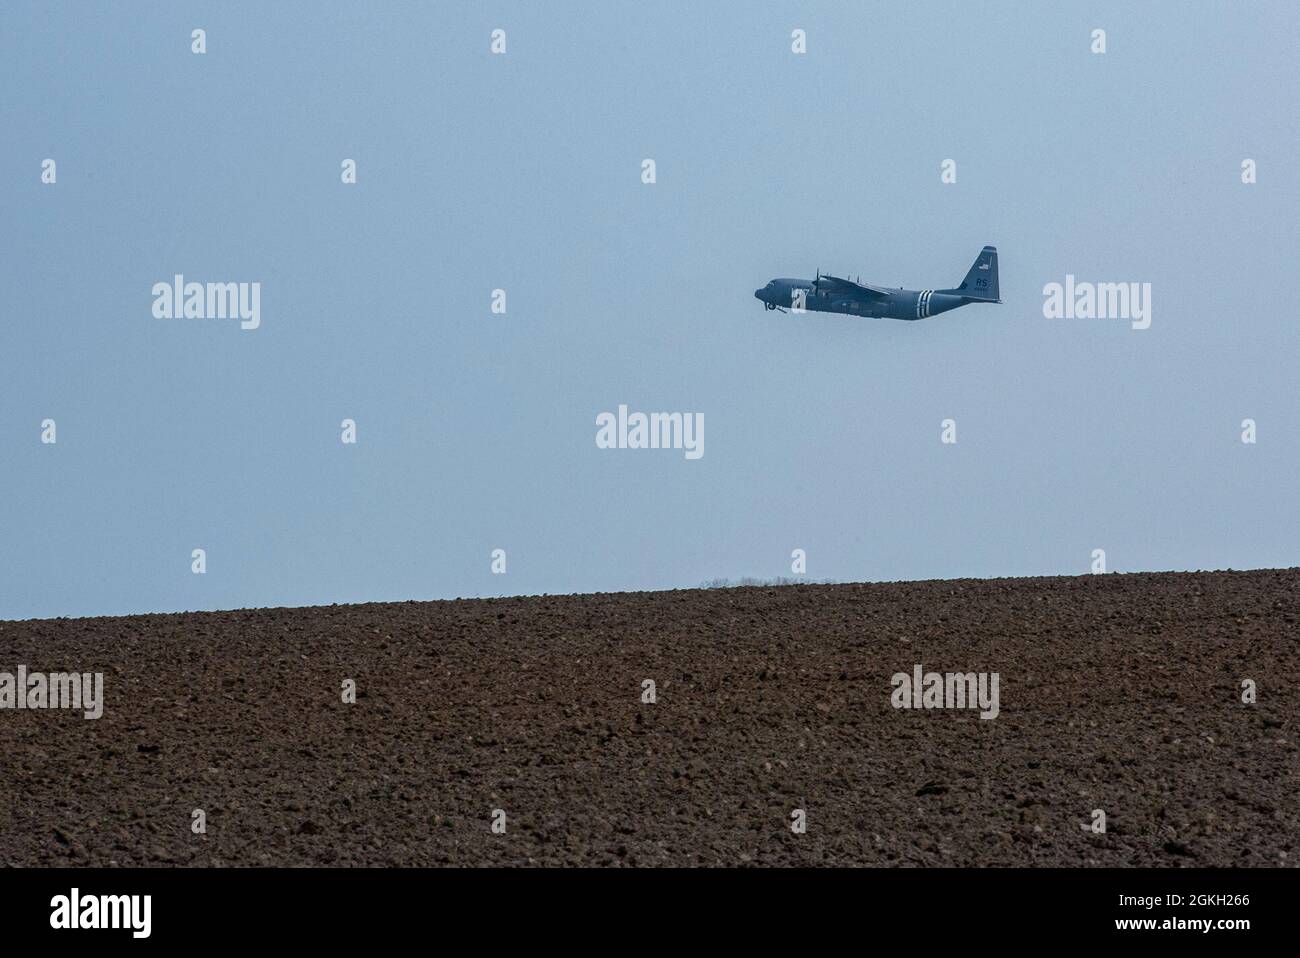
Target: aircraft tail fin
column 981, row 282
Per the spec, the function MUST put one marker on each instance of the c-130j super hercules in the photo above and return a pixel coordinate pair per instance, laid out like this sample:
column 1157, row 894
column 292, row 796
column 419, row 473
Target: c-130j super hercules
column 830, row 294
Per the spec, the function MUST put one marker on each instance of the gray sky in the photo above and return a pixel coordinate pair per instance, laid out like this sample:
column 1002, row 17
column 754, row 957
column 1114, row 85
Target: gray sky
column 523, row 171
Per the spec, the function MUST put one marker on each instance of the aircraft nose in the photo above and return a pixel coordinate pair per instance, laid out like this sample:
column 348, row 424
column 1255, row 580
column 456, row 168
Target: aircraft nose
column 758, row 294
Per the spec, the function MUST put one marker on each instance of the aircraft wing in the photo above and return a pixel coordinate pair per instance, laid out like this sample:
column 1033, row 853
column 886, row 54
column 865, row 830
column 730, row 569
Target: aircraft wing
column 836, row 284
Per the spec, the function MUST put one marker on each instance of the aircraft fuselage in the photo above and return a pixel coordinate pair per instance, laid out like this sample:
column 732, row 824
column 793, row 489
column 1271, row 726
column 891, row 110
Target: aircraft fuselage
column 897, row 304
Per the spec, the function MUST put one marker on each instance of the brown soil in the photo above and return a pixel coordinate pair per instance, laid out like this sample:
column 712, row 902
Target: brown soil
column 1118, row 692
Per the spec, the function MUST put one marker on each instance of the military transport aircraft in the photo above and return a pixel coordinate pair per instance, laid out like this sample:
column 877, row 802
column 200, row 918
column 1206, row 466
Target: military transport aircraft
column 830, row 294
